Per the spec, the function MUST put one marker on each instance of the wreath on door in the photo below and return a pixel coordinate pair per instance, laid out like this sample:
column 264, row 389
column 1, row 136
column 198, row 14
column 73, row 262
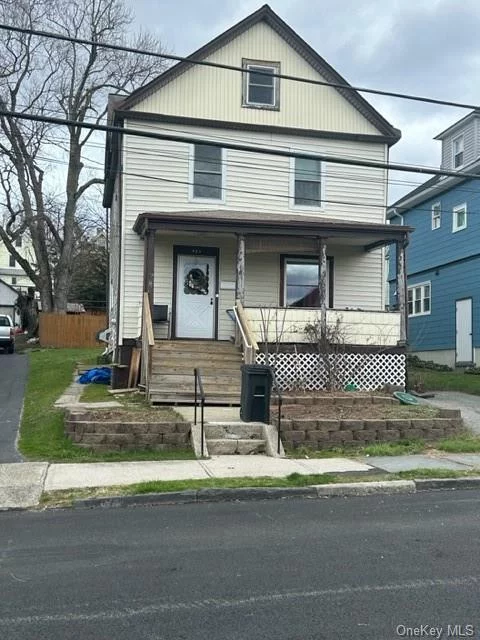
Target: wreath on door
column 196, row 282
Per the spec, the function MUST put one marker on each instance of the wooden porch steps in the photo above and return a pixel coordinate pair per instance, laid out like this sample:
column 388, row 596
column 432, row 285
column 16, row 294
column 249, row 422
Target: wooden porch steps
column 173, row 362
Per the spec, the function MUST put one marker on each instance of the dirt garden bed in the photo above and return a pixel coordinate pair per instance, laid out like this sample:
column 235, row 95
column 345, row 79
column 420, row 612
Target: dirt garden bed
column 123, row 430
column 326, row 420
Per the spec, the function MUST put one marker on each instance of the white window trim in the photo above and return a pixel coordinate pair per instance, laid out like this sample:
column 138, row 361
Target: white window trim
column 275, row 67
column 191, row 178
column 455, row 227
column 460, row 137
column 291, row 195
column 436, row 216
column 411, row 287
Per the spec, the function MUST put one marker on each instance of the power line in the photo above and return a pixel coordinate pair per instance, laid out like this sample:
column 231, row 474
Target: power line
column 228, row 67
column 238, row 147
column 274, row 194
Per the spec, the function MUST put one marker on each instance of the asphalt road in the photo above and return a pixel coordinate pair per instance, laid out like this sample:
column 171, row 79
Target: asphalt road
column 13, row 376
column 362, row 568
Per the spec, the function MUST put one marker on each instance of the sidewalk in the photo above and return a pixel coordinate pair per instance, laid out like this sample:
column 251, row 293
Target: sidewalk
column 21, row 484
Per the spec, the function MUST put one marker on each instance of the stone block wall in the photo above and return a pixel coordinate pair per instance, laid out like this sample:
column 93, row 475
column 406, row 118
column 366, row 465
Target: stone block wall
column 303, row 426
column 102, row 436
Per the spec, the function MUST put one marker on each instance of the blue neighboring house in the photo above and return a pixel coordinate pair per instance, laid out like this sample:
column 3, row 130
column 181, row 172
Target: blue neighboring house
column 443, row 257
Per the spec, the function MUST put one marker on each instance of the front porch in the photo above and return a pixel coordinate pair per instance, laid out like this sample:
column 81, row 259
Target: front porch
column 261, row 280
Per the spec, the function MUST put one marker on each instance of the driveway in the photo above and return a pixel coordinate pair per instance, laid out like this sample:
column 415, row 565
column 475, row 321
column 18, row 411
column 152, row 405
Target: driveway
column 468, row 404
column 14, row 369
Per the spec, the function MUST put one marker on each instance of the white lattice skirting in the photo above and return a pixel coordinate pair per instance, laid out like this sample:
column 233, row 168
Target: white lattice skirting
column 308, row 371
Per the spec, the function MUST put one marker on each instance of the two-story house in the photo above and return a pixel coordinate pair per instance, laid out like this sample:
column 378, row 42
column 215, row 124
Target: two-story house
column 443, row 254
column 228, row 221
column 10, row 271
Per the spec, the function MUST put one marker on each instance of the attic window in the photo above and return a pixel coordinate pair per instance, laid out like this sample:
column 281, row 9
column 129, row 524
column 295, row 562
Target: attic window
column 260, row 86
column 457, row 152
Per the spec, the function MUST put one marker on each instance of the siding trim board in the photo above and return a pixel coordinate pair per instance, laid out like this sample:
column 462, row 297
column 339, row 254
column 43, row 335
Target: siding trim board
column 145, row 116
column 359, row 234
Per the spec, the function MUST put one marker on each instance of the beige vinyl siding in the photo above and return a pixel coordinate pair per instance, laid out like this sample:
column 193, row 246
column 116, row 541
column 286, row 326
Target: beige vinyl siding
column 155, row 179
column 357, row 279
column 206, row 92
column 157, row 174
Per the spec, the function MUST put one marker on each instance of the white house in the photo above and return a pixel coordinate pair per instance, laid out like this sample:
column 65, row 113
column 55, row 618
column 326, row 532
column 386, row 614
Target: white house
column 231, row 242
column 8, row 298
column 10, row 271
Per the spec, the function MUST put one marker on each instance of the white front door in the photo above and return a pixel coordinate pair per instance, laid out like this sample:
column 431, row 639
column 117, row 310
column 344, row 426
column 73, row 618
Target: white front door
column 195, row 296
column 464, row 344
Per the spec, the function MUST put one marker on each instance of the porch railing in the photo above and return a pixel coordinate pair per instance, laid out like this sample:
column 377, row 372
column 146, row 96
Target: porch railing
column 249, row 343
column 357, row 327
column 148, row 342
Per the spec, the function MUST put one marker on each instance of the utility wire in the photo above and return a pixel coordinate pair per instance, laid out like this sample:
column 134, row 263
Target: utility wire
column 238, row 147
column 228, row 67
column 269, row 194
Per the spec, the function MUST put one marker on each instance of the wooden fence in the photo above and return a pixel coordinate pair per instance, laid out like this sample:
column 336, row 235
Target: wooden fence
column 70, row 330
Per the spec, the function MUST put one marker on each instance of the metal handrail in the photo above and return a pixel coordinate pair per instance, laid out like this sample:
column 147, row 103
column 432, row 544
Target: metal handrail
column 199, row 389
column 280, row 403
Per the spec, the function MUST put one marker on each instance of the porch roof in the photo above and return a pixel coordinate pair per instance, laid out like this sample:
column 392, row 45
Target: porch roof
column 366, row 234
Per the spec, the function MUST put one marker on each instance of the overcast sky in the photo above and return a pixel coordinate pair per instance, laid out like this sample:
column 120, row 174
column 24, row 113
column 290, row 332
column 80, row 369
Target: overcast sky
column 423, row 47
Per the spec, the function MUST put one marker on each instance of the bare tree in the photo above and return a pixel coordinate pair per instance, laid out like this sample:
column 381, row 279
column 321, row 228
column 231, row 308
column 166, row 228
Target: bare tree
column 54, row 77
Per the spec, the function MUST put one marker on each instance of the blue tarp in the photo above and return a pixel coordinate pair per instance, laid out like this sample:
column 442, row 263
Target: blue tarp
column 100, row 375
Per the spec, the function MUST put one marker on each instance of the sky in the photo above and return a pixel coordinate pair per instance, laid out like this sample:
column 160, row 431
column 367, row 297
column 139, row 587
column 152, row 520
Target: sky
column 423, row 47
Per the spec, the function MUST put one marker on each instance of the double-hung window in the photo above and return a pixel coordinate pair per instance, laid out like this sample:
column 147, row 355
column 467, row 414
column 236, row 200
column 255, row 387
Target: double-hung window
column 260, row 86
column 306, row 184
column 436, row 215
column 11, row 261
column 419, row 298
column 207, row 174
column 459, row 221
column 457, row 144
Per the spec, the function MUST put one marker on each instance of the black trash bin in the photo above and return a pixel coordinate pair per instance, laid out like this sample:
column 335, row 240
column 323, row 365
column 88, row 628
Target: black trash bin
column 256, row 388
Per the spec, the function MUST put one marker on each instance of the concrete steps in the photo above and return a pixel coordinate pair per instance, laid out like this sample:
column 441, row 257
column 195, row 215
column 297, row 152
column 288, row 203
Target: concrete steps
column 173, row 362
column 235, row 438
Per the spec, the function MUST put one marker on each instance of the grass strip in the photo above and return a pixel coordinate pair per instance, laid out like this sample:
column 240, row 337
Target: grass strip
column 66, row 498
column 42, row 427
column 432, row 380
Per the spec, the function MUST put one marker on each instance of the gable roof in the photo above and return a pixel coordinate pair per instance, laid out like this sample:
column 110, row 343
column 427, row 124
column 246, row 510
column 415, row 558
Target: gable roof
column 267, row 15
column 457, row 125
column 9, row 286
column 432, row 188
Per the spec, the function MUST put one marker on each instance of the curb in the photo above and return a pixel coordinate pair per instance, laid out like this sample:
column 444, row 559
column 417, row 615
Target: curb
column 251, row 493
column 471, row 482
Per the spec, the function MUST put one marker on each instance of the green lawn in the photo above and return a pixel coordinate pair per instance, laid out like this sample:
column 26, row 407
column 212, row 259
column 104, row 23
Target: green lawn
column 42, row 427
column 432, row 380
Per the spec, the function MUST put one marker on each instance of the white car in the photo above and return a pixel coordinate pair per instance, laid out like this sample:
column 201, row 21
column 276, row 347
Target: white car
column 7, row 334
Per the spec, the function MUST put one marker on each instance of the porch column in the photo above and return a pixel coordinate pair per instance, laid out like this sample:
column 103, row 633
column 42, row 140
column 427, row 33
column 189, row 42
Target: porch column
column 402, row 288
column 149, row 264
column 240, row 269
column 322, row 283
